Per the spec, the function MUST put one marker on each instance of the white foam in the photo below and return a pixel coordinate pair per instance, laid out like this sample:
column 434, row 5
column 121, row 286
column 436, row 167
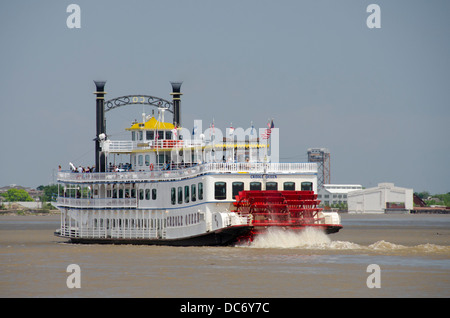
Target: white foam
column 433, row 248
column 279, row 238
column 344, row 245
column 386, row 246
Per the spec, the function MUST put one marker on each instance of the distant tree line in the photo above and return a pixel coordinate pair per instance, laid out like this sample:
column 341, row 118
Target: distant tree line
column 50, row 192
column 14, row 195
column 434, row 199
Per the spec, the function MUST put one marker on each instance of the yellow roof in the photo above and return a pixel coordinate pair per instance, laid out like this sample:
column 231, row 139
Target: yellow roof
column 152, row 124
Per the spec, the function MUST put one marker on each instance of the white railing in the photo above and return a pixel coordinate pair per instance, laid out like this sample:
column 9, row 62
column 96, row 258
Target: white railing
column 189, row 171
column 260, row 167
column 126, row 146
column 103, row 232
column 98, row 203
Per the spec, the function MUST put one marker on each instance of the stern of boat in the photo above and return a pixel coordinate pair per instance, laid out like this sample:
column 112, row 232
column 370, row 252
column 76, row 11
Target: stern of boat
column 291, row 210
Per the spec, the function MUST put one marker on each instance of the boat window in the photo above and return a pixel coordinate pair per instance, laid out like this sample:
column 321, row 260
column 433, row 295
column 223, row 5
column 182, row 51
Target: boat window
column 272, row 186
column 186, row 194
column 237, row 187
column 140, row 135
column 193, row 193
column 200, row 191
column 140, row 160
column 150, row 134
column 169, row 135
column 147, row 194
column 220, row 190
column 133, row 135
column 307, row 186
column 160, row 134
column 173, row 196
column 180, row 195
column 147, row 160
column 162, row 159
column 153, row 194
column 255, row 186
column 141, row 194
column 289, row 186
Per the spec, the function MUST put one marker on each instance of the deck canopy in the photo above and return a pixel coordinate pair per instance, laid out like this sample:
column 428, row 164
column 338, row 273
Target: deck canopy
column 151, row 124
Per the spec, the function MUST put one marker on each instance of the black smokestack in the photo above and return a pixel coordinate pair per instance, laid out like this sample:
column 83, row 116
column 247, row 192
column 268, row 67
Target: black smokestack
column 176, row 86
column 100, row 164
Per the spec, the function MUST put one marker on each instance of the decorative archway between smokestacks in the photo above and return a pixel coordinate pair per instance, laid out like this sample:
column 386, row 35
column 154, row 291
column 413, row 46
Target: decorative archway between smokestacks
column 173, row 107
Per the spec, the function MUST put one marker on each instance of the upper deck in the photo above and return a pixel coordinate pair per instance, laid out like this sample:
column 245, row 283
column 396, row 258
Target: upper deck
column 189, row 171
column 130, row 146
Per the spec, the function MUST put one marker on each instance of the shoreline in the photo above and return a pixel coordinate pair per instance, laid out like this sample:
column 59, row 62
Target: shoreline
column 28, row 212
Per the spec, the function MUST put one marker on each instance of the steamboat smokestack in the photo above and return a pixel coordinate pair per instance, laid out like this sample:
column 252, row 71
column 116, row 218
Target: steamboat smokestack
column 100, row 164
column 176, row 97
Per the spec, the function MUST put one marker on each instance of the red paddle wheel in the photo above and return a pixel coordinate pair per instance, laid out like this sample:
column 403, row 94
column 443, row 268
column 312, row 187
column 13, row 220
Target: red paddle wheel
column 287, row 209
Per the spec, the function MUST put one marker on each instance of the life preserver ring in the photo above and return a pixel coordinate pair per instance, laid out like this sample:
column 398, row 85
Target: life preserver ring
column 151, row 167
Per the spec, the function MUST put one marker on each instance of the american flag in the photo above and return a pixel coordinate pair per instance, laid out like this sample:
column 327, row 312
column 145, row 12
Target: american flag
column 266, row 134
column 175, row 131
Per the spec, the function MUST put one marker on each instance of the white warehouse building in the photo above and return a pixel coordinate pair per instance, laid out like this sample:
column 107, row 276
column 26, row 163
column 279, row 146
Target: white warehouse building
column 386, row 198
column 332, row 194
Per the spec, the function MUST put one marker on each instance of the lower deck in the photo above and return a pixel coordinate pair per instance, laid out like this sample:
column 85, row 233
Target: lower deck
column 225, row 236
column 146, row 224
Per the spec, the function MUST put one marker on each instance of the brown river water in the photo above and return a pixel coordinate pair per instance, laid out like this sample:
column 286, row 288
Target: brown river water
column 412, row 253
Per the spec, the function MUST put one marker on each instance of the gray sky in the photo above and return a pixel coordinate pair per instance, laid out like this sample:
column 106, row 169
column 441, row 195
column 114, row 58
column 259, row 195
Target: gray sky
column 378, row 99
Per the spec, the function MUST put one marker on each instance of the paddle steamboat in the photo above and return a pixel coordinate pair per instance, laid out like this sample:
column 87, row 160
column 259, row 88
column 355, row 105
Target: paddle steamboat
column 183, row 188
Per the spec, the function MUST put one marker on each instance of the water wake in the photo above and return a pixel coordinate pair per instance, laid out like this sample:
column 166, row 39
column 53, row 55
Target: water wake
column 279, row 238
column 311, row 238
